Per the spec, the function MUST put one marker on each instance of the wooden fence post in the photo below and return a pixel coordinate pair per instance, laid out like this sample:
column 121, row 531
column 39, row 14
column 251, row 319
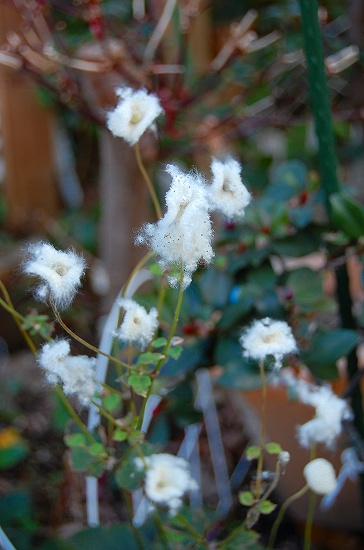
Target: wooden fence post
column 27, row 127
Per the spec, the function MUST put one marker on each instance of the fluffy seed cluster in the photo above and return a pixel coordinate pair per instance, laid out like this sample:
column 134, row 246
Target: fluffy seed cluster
column 75, row 373
column 320, row 476
column 325, row 427
column 134, row 114
column 183, row 236
column 60, row 272
column 227, row 193
column 266, row 337
column 167, row 479
column 138, row 325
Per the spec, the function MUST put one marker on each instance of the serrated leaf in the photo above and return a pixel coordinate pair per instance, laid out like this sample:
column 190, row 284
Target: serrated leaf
column 149, row 358
column 175, row 351
column 140, row 383
column 253, row 452
column 75, row 440
column 266, row 507
column 119, row 435
column 246, row 498
column 159, row 342
column 273, row 448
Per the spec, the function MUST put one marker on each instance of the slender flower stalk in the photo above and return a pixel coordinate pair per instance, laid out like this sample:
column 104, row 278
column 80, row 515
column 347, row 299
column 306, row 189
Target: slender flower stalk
column 166, row 347
column 148, row 182
column 71, row 411
column 82, row 341
column 281, row 513
column 258, row 485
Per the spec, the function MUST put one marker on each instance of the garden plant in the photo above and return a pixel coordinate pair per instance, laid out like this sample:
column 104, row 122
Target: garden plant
column 213, row 303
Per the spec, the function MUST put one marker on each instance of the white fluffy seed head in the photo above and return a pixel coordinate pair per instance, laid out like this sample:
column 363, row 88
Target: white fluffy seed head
column 183, row 236
column 330, row 411
column 138, row 325
column 267, row 337
column 227, row 193
column 134, row 114
column 60, row 272
column 75, row 373
column 320, row 476
column 167, row 479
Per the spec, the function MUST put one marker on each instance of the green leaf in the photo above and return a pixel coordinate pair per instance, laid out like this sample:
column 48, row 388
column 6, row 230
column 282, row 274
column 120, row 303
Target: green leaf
column 288, row 180
column 12, row 455
column 97, row 450
column 303, row 243
column 75, row 440
column 175, row 351
column 119, row 435
column 273, row 448
column 326, row 349
column 306, row 286
column 137, row 436
column 80, row 459
column 159, row 342
column 235, row 313
column 128, row 475
column 242, row 540
column 246, row 498
column 111, row 402
column 266, row 507
column 140, row 383
column 240, row 374
column 347, row 214
column 155, row 269
column 149, row 358
column 253, row 452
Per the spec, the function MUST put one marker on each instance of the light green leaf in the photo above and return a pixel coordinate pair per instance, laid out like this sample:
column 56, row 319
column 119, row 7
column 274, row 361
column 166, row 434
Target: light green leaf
column 140, row 383
column 246, row 498
column 266, row 507
column 253, row 452
column 273, row 448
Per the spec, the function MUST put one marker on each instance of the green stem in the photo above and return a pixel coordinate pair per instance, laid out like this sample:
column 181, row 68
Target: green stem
column 160, row 530
column 136, row 269
column 282, row 511
column 147, row 180
column 320, row 103
column 258, row 485
column 74, row 415
column 104, row 413
column 166, row 347
column 18, row 318
column 191, row 529
column 129, row 507
column 81, row 340
column 319, row 95
column 309, row 521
